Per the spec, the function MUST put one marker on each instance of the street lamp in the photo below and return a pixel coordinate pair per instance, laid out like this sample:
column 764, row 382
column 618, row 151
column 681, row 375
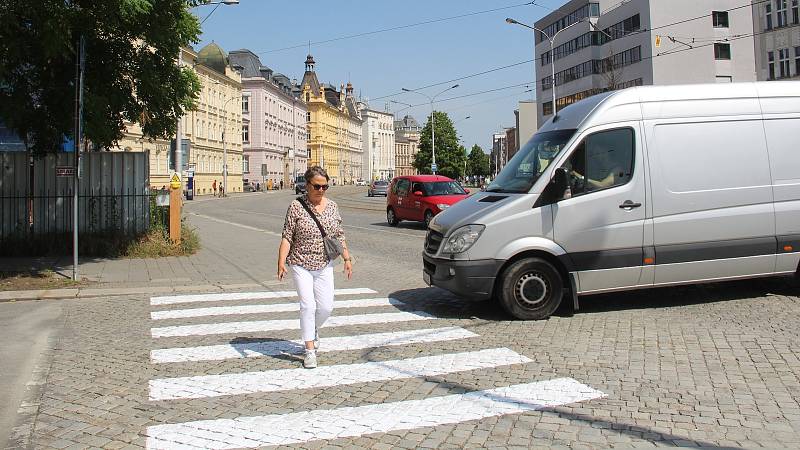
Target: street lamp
column 224, row 148
column 461, row 120
column 552, row 54
column 433, row 122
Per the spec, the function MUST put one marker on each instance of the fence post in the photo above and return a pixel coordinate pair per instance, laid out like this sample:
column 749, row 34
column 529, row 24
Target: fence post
column 175, row 213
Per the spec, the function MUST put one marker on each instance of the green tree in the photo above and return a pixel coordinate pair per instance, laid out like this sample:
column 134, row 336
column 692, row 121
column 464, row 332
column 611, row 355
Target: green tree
column 131, row 72
column 478, row 162
column 450, row 156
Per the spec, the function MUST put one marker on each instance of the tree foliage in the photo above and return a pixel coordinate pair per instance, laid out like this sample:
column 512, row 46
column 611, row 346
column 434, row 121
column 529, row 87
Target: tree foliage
column 131, row 72
column 478, row 162
column 450, row 156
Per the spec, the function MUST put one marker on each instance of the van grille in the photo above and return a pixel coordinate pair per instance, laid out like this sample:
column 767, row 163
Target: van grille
column 433, row 241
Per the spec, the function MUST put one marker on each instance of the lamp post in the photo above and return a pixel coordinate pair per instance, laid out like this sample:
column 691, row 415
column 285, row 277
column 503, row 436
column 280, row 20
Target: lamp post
column 552, row 55
column 224, row 147
column 433, row 121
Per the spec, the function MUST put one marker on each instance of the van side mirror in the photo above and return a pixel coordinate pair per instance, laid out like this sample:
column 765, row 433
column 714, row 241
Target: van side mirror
column 560, row 182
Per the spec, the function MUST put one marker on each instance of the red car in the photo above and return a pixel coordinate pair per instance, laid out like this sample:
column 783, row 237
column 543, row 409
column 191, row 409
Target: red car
column 420, row 197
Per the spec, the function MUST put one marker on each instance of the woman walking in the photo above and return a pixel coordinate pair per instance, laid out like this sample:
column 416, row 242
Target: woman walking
column 302, row 249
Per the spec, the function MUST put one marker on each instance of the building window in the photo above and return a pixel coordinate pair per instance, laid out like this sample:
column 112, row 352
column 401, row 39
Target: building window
column 246, row 104
column 245, row 133
column 245, row 164
column 771, row 59
column 783, row 62
column 720, row 19
column 780, row 12
column 308, row 97
column 797, row 61
column 768, row 11
column 722, row 51
column 308, row 116
column 547, row 108
column 795, row 12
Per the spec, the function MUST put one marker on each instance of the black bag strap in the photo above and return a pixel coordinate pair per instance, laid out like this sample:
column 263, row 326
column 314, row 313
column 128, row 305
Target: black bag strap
column 313, row 216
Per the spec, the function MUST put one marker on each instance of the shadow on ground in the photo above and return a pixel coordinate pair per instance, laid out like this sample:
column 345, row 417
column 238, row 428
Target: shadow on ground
column 446, row 305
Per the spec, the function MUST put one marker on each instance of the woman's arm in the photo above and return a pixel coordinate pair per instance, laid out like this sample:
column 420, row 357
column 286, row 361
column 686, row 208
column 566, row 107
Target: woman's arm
column 283, row 252
column 348, row 260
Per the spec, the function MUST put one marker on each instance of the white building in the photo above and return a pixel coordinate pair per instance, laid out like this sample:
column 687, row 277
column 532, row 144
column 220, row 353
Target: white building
column 777, row 45
column 379, row 144
column 274, row 120
column 641, row 42
column 527, row 121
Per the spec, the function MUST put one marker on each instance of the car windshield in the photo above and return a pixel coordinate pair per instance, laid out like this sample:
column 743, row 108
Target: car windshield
column 530, row 162
column 443, row 188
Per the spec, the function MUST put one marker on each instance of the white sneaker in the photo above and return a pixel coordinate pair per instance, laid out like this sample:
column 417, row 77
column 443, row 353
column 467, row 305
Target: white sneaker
column 316, row 338
column 310, row 360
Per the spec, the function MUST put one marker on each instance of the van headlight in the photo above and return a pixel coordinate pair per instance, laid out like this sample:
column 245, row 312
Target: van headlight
column 462, row 239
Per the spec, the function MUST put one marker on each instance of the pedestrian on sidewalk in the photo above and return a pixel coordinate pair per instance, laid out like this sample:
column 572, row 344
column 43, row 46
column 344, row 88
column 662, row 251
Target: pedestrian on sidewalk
column 214, row 187
column 221, row 190
column 303, row 251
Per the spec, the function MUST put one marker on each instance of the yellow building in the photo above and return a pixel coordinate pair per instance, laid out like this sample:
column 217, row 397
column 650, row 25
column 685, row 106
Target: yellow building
column 334, row 127
column 219, row 108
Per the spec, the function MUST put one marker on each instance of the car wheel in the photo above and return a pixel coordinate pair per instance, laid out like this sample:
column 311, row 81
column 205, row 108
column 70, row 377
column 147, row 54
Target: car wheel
column 428, row 218
column 391, row 218
column 531, row 289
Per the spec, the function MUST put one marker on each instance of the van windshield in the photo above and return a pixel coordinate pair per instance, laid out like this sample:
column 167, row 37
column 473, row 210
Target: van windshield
column 519, row 175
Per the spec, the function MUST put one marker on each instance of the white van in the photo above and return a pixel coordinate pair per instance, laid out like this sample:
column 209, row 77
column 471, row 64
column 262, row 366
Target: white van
column 649, row 186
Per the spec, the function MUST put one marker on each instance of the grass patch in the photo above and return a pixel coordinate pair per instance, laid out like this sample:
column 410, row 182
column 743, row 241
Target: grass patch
column 157, row 244
column 44, row 280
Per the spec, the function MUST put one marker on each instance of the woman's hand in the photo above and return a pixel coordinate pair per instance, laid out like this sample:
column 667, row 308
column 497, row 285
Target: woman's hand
column 348, row 269
column 281, row 270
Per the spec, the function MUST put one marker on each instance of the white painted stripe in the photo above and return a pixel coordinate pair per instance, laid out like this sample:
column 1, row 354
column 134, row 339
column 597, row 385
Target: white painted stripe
column 205, row 386
column 230, row 296
column 329, row 344
column 261, row 309
column 285, row 429
column 288, row 324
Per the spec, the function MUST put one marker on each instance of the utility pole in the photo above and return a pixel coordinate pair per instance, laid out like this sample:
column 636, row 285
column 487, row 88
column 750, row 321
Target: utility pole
column 80, row 65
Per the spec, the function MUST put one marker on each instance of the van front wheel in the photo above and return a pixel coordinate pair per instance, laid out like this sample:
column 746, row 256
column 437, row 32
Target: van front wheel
column 531, row 289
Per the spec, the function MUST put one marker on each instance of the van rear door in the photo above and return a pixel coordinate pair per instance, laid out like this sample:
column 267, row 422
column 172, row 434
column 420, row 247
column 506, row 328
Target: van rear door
column 602, row 225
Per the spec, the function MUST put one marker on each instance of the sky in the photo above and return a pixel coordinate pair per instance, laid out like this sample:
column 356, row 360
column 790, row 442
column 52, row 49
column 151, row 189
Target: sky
column 381, row 64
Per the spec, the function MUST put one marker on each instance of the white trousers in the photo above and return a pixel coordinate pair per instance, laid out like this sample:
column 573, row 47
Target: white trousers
column 315, row 289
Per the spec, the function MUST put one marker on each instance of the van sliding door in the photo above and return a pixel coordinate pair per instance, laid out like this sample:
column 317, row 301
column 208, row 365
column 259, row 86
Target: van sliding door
column 713, row 216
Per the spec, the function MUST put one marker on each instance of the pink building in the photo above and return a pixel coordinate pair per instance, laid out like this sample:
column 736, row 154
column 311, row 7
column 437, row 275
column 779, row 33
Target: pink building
column 274, row 119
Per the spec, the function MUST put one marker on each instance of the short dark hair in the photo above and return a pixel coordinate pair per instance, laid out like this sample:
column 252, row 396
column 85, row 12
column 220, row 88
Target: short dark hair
column 316, row 171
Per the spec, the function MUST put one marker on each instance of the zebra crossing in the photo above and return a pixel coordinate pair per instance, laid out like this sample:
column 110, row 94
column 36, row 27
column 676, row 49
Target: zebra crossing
column 213, row 312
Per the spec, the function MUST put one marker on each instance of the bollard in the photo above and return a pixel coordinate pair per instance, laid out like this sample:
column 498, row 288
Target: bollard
column 175, row 202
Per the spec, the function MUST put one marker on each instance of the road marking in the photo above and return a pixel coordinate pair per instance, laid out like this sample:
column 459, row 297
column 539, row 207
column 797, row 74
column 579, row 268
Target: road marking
column 205, row 386
column 378, row 229
column 289, row 324
column 257, row 349
column 246, row 227
column 261, row 309
column 230, row 296
column 294, row 428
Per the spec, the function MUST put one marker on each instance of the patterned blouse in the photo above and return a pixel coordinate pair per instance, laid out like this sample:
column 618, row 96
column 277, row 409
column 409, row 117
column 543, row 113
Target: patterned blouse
column 307, row 249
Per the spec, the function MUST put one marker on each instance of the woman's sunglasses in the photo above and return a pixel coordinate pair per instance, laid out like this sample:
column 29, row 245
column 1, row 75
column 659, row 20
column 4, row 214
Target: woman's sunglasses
column 323, row 187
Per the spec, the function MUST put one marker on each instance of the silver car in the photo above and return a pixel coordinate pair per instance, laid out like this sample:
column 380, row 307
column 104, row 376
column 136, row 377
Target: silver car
column 378, row 187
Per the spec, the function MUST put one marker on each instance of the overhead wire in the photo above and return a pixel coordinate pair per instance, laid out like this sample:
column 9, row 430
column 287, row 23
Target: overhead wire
column 398, row 27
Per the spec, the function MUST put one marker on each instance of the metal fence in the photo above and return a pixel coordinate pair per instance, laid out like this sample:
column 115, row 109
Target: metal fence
column 113, row 194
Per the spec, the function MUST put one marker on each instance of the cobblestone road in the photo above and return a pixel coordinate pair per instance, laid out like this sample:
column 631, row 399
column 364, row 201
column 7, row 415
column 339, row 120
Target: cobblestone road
column 403, row 366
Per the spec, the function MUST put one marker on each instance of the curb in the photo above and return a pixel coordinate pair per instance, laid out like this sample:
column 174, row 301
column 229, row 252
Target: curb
column 13, row 296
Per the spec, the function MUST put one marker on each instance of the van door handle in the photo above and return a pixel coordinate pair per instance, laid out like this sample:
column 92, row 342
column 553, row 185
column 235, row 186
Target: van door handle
column 629, row 205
